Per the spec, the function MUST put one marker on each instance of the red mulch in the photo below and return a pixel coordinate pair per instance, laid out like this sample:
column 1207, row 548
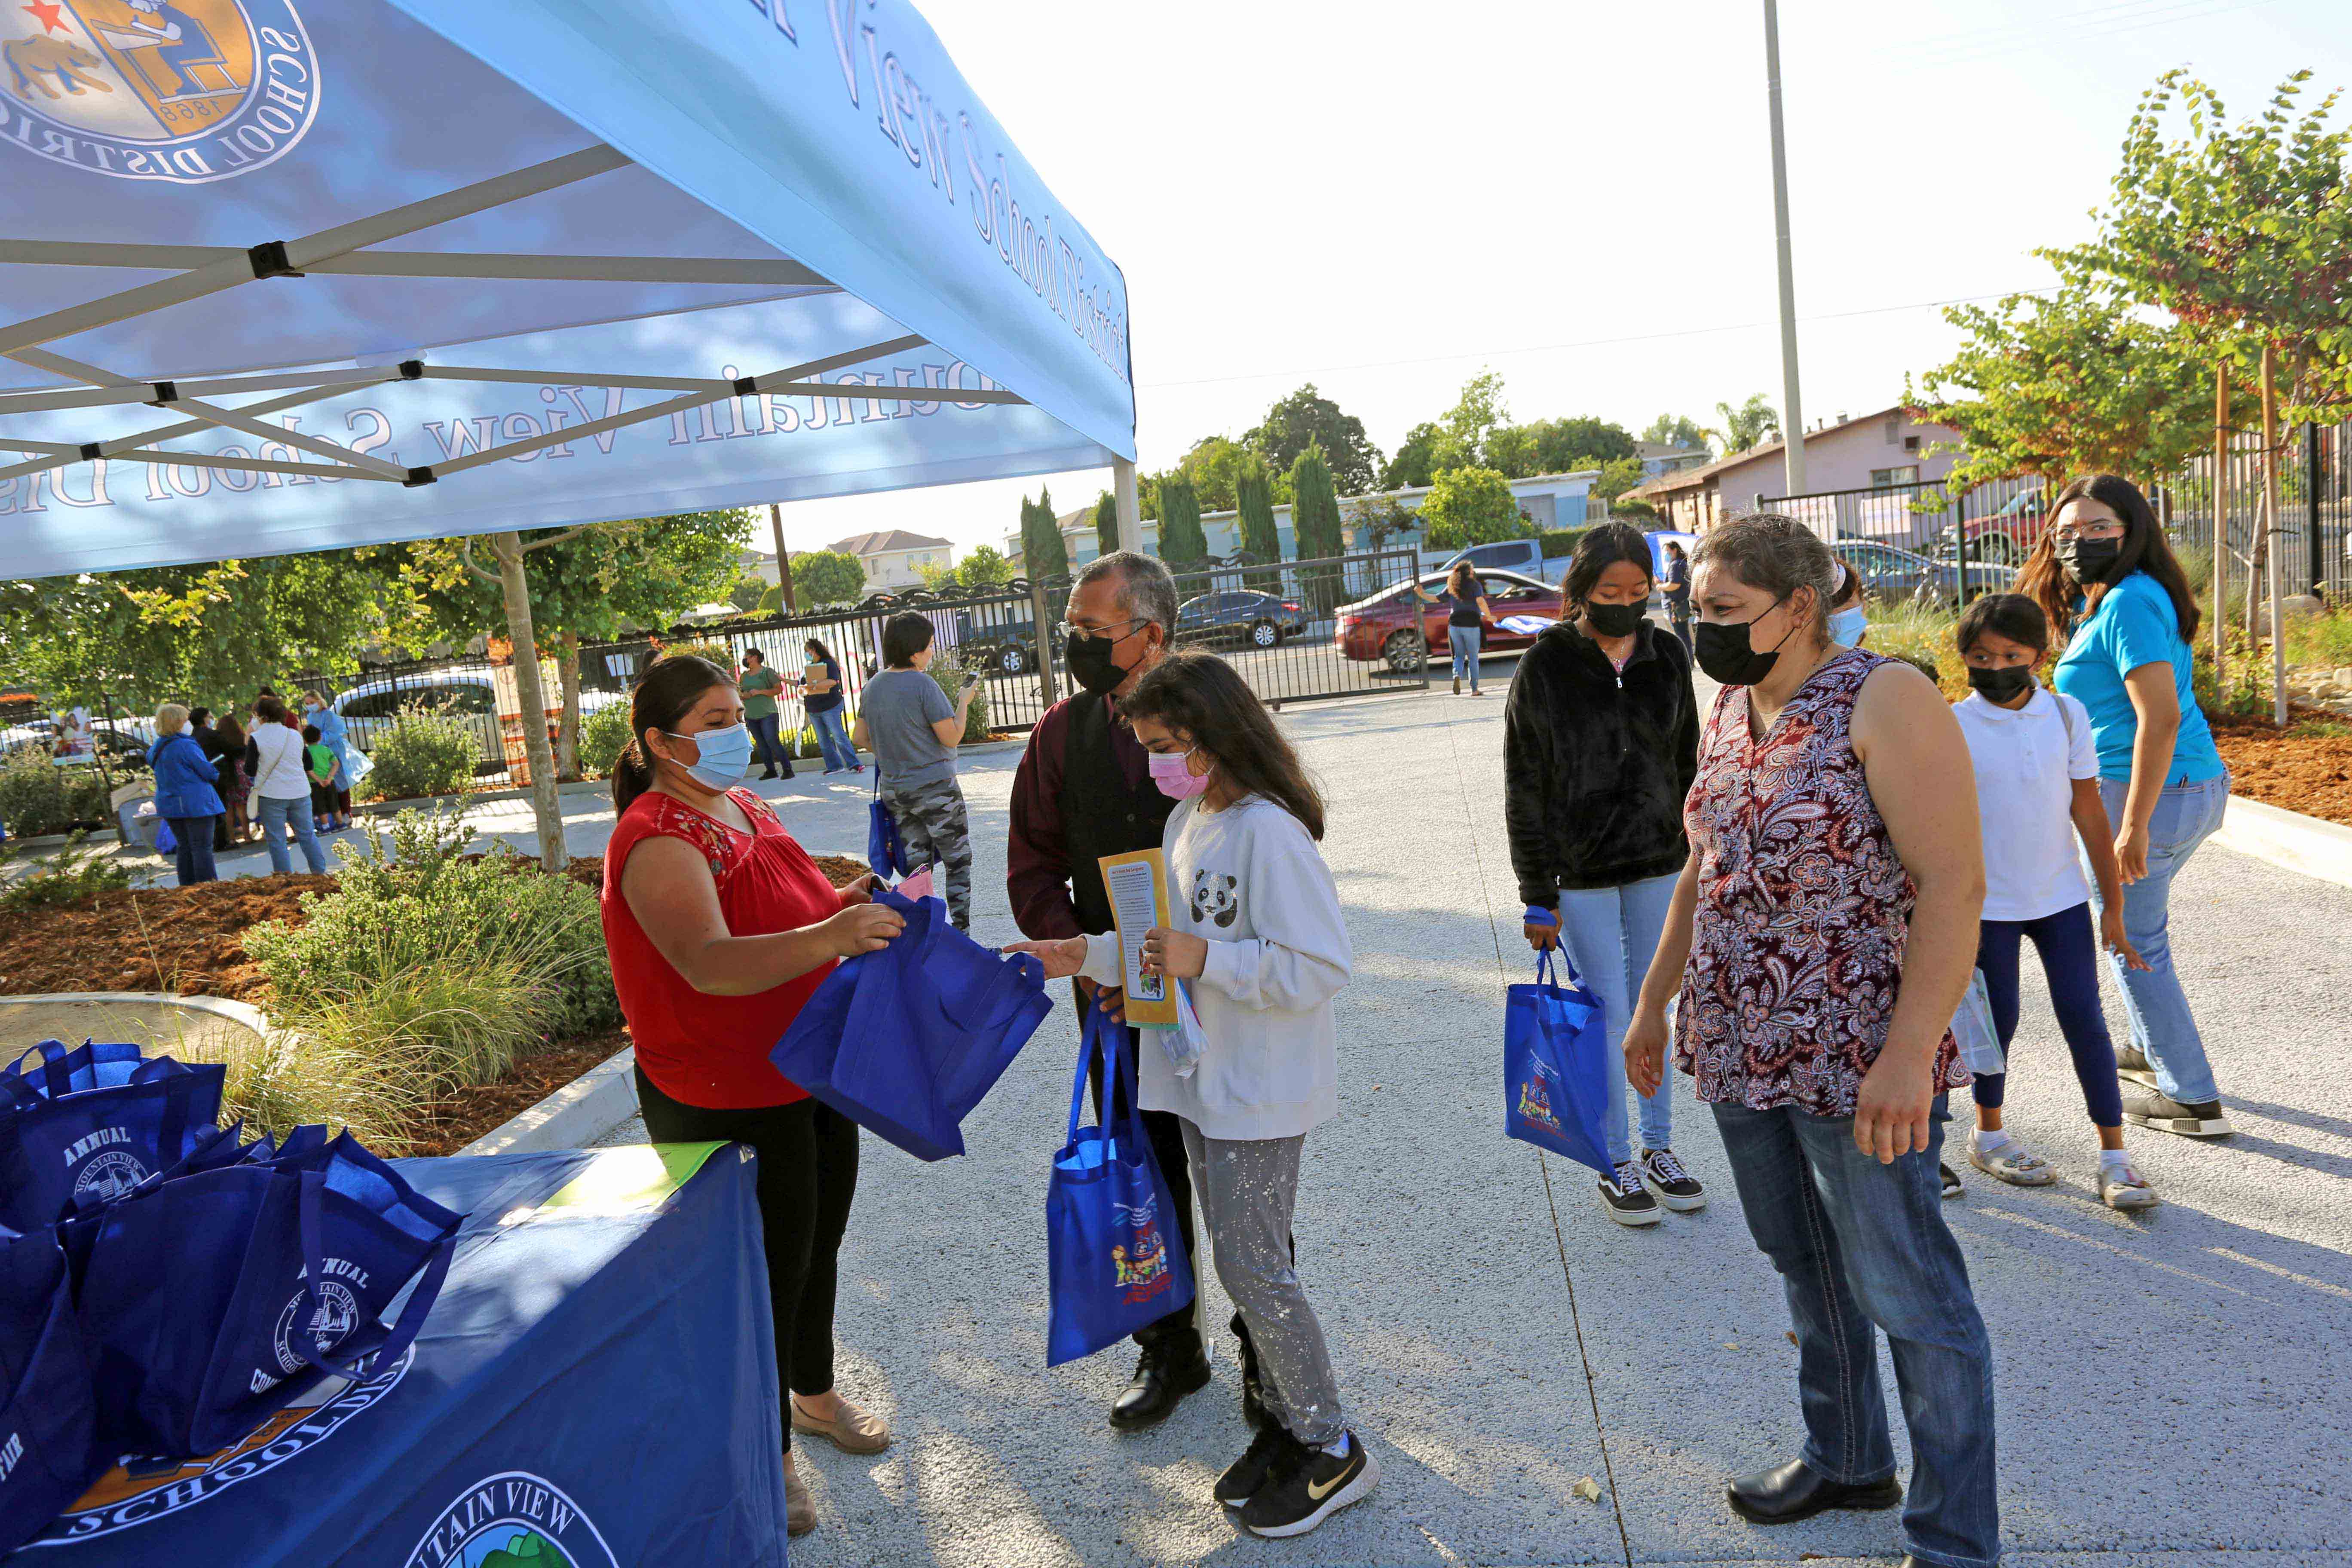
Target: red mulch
column 446, row 1126
column 2295, row 768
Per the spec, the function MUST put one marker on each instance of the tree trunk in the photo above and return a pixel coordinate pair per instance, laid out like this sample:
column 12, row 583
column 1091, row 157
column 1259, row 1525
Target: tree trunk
column 567, row 731
column 2221, row 526
column 2270, row 526
column 546, row 810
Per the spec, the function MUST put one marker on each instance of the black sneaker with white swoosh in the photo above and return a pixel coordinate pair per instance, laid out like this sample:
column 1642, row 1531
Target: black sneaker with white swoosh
column 1308, row 1486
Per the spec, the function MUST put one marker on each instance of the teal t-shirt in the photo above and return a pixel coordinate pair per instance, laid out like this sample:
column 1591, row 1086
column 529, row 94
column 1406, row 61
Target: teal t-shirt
column 2135, row 625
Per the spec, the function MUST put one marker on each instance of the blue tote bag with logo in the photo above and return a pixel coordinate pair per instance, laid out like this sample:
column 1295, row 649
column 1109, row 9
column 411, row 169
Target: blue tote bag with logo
column 91, row 1126
column 1555, row 1076
column 907, row 1040
column 1114, row 1244
column 93, row 1064
column 48, row 1456
column 884, row 851
column 282, row 1271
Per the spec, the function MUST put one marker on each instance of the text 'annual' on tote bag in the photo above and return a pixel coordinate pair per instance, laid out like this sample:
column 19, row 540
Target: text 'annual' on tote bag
column 93, row 1123
column 1555, row 1080
column 1114, row 1248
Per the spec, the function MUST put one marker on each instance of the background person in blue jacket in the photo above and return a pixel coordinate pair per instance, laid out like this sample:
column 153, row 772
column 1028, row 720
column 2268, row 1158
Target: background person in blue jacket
column 186, row 795
column 1600, row 746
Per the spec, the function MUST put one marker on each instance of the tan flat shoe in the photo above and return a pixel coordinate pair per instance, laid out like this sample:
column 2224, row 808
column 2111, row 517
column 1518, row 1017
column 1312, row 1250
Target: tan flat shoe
column 800, row 1511
column 854, row 1431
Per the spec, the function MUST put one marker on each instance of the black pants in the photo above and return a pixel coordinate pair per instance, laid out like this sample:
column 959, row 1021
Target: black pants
column 808, row 1175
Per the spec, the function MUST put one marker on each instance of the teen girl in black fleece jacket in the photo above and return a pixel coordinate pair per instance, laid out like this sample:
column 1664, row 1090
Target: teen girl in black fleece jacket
column 1600, row 746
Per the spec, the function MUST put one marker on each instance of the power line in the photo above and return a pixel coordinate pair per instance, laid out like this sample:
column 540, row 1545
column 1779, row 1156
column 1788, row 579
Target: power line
column 1581, row 343
column 2047, row 40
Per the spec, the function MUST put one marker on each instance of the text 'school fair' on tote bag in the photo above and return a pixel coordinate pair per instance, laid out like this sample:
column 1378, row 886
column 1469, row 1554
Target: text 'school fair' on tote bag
column 48, row 1452
column 94, row 1122
column 1554, row 1079
column 883, row 850
column 1115, row 1252
column 907, row 1040
column 280, row 1272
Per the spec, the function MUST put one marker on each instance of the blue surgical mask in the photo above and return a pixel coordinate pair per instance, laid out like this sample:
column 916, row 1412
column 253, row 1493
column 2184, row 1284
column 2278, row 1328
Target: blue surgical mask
column 1847, row 625
column 726, row 755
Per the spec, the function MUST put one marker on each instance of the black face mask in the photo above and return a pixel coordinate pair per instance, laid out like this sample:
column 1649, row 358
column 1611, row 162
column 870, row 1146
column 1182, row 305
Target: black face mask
column 1090, row 664
column 1722, row 651
column 1613, row 620
column 2001, row 685
column 2088, row 561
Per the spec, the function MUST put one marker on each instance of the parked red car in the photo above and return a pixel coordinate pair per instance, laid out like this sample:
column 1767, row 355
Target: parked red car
column 1392, row 625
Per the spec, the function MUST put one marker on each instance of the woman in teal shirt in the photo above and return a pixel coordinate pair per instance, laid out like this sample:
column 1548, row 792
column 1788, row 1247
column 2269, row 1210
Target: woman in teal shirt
column 2106, row 578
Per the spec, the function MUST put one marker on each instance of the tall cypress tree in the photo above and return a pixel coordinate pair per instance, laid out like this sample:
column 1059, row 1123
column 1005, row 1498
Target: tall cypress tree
column 1181, row 541
column 1044, row 555
column 1107, row 522
column 1314, row 525
column 1259, row 535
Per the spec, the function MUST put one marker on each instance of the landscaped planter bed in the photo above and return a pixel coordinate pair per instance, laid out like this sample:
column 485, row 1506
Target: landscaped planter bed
column 2305, row 768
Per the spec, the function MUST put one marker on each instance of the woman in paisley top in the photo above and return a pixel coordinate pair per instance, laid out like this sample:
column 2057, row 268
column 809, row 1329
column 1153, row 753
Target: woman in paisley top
column 1821, row 937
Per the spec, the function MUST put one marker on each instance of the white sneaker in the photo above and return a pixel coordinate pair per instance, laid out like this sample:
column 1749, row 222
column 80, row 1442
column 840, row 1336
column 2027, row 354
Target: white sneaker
column 2123, row 1187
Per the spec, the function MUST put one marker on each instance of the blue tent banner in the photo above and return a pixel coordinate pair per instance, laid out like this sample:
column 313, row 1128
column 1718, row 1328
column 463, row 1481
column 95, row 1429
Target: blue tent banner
column 307, row 274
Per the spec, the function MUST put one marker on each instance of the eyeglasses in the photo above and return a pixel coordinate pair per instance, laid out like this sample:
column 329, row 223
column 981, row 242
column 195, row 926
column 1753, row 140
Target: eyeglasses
column 2067, row 536
column 1076, row 630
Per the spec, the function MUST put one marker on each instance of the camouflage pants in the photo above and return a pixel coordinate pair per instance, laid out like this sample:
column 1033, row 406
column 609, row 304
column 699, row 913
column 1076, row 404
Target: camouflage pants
column 934, row 831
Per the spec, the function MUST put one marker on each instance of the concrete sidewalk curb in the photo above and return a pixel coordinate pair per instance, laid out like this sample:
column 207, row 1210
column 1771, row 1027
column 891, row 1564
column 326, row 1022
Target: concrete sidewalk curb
column 2288, row 840
column 572, row 1117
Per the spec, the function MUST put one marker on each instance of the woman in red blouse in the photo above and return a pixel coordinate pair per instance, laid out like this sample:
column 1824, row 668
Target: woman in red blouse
column 721, row 927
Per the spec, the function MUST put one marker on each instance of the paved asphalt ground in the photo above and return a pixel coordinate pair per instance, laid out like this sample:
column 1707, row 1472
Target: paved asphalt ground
column 2172, row 1388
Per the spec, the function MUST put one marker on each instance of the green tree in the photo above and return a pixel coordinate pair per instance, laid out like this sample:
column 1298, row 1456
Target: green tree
column 1260, row 537
column 1181, row 541
column 1213, row 468
column 1618, row 475
column 1471, row 506
column 1415, row 463
column 1306, row 417
column 1045, row 555
column 1676, row 430
column 1314, row 524
column 1751, row 424
column 822, row 578
column 1107, row 522
column 1556, row 447
column 984, row 567
column 1463, row 433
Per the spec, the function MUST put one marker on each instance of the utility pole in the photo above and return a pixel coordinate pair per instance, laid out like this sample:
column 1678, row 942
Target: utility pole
column 783, row 561
column 1792, row 417
column 1129, row 505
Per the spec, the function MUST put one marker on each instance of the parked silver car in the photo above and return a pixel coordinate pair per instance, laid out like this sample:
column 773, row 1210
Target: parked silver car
column 469, row 696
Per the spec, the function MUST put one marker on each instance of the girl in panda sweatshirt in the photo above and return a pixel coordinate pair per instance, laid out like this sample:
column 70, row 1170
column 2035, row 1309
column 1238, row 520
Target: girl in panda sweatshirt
column 1254, row 928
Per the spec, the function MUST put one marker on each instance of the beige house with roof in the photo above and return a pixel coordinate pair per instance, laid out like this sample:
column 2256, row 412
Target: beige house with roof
column 1872, row 451
column 893, row 558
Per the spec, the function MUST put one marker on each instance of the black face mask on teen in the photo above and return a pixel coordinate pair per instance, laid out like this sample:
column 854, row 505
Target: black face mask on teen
column 1090, row 663
column 1613, row 620
column 2088, row 561
column 2001, row 685
column 1723, row 651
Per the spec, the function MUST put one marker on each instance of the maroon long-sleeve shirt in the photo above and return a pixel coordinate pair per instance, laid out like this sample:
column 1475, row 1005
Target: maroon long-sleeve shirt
column 1036, row 854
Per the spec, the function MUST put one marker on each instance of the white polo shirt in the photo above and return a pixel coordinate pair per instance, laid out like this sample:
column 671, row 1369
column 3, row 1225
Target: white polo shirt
column 2026, row 763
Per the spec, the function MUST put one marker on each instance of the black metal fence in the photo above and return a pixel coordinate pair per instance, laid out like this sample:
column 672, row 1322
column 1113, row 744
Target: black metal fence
column 2315, row 538
column 1276, row 622
column 1999, row 521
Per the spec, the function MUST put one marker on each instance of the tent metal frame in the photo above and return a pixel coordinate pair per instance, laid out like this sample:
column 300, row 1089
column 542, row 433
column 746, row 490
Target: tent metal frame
column 337, row 251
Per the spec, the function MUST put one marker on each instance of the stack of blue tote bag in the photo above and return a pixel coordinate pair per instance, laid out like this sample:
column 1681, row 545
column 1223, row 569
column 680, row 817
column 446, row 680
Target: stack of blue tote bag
column 1555, row 1076
column 1113, row 1242
column 907, row 1040
column 166, row 1287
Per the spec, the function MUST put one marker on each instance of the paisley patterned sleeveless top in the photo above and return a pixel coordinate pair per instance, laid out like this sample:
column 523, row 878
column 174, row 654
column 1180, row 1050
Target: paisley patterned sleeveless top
column 1803, row 907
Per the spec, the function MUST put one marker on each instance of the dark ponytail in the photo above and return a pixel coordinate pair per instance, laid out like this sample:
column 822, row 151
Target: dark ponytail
column 666, row 694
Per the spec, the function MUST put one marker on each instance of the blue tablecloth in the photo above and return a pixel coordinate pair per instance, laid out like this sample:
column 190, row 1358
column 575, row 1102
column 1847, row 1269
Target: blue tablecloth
column 596, row 1388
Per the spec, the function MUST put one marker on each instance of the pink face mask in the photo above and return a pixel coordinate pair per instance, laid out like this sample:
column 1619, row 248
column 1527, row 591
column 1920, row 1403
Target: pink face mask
column 1175, row 780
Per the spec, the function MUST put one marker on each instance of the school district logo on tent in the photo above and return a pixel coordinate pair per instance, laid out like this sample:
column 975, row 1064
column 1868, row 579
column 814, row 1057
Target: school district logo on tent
column 184, row 90
column 514, row 1519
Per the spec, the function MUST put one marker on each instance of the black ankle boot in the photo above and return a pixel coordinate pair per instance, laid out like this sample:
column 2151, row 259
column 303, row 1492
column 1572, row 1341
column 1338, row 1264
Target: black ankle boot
column 1164, row 1376
column 1791, row 1492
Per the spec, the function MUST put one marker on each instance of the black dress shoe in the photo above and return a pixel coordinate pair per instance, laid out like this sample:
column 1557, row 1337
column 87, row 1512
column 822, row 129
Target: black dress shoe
column 1791, row 1492
column 1158, row 1386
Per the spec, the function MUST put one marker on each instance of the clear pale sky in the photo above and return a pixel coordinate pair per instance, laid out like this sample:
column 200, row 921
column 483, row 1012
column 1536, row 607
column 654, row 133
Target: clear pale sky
column 1382, row 198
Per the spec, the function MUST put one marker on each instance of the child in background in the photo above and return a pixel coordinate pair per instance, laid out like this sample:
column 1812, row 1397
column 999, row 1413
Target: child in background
column 319, row 767
column 1255, row 923
column 2038, row 791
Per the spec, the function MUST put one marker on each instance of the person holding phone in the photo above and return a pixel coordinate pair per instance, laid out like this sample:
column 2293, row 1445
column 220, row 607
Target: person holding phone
column 914, row 731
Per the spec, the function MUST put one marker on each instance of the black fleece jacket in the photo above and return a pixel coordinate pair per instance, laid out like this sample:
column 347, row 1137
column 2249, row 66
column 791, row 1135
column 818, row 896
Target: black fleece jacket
column 1596, row 763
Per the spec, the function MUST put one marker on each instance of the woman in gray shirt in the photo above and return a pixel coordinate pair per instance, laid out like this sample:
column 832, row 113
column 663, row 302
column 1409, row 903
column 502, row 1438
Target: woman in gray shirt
column 912, row 730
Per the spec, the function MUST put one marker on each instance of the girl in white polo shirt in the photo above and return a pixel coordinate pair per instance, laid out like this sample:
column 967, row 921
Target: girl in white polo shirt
column 2037, row 771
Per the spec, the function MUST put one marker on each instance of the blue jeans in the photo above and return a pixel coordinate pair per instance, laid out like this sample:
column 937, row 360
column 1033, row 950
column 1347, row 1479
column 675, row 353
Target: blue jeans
column 1856, row 1243
column 1465, row 651
column 767, row 744
column 833, row 740
column 2070, row 963
column 2162, row 1024
column 194, row 835
column 1611, row 934
column 276, row 816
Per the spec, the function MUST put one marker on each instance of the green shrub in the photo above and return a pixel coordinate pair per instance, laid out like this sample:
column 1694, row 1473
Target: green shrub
column 602, row 735
column 37, row 796
column 367, row 1081
column 71, row 874
column 950, row 676
column 475, row 958
column 1559, row 541
column 718, row 653
column 421, row 754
